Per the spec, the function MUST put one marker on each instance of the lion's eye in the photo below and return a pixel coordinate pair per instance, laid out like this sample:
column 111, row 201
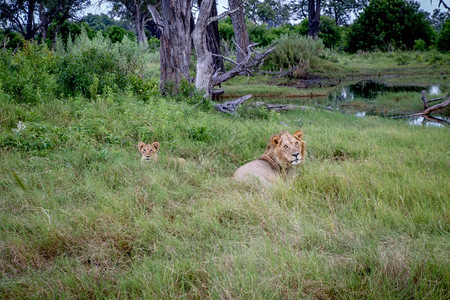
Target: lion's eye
column 296, row 143
column 286, row 146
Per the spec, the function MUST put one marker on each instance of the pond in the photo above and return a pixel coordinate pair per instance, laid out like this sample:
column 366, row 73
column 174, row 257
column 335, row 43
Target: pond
column 369, row 89
column 360, row 99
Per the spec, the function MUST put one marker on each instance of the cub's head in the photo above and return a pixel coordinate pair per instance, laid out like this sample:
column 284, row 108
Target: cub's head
column 289, row 150
column 148, row 151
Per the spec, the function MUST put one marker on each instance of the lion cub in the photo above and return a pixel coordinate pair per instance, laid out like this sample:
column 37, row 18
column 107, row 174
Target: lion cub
column 283, row 152
column 149, row 153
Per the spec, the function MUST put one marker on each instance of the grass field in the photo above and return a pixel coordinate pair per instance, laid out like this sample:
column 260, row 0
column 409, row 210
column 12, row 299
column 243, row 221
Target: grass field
column 367, row 216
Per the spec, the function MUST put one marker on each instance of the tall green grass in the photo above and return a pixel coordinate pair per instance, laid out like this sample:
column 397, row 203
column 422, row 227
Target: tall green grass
column 81, row 217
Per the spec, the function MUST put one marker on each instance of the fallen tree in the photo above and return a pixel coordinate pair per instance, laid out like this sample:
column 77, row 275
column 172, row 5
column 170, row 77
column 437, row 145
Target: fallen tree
column 429, row 109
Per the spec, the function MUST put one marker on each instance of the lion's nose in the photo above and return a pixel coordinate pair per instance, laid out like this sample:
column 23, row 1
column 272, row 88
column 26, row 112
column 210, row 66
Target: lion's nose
column 296, row 154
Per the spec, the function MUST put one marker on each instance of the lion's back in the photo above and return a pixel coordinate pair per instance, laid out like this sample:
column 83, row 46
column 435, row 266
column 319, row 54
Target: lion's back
column 257, row 169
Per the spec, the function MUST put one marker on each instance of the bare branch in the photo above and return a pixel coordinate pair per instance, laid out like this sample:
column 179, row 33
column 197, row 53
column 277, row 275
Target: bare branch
column 230, row 107
column 250, row 62
column 443, row 3
column 237, row 46
column 156, row 16
column 222, row 15
column 437, row 99
column 225, row 58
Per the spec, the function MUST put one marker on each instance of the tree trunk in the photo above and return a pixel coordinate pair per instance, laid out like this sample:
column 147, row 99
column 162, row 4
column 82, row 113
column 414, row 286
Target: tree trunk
column 205, row 69
column 213, row 39
column 140, row 27
column 30, row 21
column 175, row 49
column 314, row 18
column 44, row 22
column 240, row 29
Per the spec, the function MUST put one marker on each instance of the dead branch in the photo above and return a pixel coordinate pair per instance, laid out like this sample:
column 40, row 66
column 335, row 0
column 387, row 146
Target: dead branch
column 230, row 107
column 222, row 15
column 436, row 120
column 433, row 108
column 427, row 110
column 252, row 61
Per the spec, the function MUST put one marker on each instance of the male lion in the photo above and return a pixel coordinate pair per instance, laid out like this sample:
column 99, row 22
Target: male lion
column 283, row 152
column 148, row 151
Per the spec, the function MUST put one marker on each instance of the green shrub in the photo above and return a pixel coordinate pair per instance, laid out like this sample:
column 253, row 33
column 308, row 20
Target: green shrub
column 419, row 45
column 27, row 75
column 116, row 34
column 402, row 59
column 99, row 65
column 294, row 51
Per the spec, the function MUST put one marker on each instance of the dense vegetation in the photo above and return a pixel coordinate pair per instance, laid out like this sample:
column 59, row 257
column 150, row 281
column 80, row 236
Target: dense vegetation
column 82, row 217
column 366, row 217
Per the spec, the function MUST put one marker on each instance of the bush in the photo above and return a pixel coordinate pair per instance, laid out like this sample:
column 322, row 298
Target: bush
column 294, row 51
column 116, row 34
column 419, row 45
column 98, row 65
column 443, row 40
column 28, row 75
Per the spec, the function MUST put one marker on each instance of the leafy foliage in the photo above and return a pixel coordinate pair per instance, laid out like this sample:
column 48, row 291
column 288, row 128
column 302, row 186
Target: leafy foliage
column 402, row 23
column 29, row 74
column 329, row 32
column 294, row 52
column 98, row 64
column 443, row 40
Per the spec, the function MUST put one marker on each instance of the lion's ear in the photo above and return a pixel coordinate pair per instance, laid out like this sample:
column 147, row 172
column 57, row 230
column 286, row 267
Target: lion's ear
column 298, row 134
column 155, row 145
column 141, row 145
column 275, row 140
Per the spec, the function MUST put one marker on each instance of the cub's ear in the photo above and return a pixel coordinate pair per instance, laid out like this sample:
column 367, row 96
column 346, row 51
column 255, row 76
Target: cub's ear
column 298, row 134
column 275, row 140
column 155, row 145
column 141, row 145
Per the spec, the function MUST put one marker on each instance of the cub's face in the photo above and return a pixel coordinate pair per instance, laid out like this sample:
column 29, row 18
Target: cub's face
column 289, row 150
column 148, row 151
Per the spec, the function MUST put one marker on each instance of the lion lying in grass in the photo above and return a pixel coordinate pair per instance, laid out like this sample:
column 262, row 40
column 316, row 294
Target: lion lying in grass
column 283, row 152
column 149, row 152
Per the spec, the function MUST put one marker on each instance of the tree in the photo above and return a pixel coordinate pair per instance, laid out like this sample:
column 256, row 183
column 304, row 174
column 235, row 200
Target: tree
column 174, row 21
column 437, row 19
column 28, row 17
column 402, row 23
column 443, row 40
column 314, row 17
column 240, row 29
column 175, row 49
column 99, row 22
column 213, row 38
column 340, row 10
column 137, row 11
column 328, row 31
column 270, row 12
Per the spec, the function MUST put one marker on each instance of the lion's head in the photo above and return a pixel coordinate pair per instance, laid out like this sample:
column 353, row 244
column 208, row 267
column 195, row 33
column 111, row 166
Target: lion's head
column 287, row 150
column 149, row 151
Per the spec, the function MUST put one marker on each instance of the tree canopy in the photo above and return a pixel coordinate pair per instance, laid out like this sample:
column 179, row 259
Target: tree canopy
column 387, row 24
